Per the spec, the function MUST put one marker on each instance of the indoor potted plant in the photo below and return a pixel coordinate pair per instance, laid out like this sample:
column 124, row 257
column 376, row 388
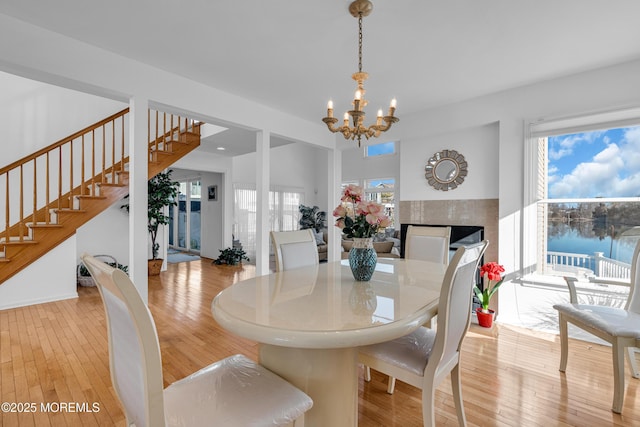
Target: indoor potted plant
column 231, row 256
column 491, row 272
column 162, row 192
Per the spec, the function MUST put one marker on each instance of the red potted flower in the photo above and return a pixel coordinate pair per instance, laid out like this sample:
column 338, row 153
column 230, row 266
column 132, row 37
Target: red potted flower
column 492, row 273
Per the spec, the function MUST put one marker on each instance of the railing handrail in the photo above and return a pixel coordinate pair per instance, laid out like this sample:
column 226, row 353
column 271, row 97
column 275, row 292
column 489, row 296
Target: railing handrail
column 596, row 262
column 62, row 142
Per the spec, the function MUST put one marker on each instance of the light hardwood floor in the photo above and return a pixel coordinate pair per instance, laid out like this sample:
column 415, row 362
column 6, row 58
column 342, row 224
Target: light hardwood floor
column 56, row 353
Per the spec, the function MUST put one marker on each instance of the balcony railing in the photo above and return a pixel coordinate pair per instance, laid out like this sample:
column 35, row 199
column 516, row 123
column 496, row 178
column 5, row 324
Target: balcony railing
column 597, row 264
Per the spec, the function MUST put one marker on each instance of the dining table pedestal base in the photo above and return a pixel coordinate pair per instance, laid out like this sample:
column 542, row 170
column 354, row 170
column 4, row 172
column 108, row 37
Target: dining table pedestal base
column 328, row 376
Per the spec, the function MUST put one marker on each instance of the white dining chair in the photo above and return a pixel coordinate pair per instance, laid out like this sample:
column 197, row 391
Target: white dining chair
column 427, row 243
column 425, row 357
column 231, row 392
column 620, row 327
column 294, row 249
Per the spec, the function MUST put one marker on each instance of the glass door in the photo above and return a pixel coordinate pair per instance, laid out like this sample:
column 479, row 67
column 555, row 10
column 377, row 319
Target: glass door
column 184, row 219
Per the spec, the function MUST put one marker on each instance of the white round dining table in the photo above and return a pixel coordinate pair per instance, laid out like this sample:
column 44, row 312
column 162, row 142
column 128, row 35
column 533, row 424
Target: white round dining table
column 310, row 322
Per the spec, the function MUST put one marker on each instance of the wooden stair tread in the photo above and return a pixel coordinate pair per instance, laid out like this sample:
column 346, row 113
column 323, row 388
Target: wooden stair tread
column 89, row 196
column 43, row 225
column 68, row 210
column 3, row 242
column 111, row 184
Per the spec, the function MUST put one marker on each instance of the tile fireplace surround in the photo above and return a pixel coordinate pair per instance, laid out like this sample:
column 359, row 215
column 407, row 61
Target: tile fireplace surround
column 480, row 212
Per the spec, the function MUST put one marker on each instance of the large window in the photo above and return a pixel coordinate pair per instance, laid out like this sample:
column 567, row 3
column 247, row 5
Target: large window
column 587, row 196
column 283, row 213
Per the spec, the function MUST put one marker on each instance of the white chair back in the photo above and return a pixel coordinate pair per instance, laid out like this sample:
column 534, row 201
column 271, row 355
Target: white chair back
column 428, row 243
column 633, row 301
column 454, row 309
column 134, row 351
column 294, row 249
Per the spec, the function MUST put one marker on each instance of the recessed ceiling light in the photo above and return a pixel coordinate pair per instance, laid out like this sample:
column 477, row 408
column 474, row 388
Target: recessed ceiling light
column 221, row 148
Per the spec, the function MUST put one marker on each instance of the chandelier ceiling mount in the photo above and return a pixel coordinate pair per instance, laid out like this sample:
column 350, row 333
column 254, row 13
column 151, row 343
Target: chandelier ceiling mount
column 353, row 126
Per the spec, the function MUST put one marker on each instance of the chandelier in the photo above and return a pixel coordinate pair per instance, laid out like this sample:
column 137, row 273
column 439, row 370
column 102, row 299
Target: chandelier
column 360, row 9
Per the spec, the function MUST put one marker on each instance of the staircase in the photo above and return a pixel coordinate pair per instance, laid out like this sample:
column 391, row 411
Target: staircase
column 49, row 194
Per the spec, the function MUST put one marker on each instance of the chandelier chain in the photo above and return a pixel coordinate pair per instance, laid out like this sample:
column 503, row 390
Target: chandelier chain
column 360, row 42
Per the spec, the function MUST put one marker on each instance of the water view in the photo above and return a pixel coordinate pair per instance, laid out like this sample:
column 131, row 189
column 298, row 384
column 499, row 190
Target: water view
column 584, row 238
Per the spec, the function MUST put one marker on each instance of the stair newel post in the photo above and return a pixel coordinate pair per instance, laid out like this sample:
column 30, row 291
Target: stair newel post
column 35, row 189
column 59, row 177
column 71, row 174
column 93, row 162
column 47, row 214
column 6, row 213
column 20, row 231
column 81, row 167
column 122, row 152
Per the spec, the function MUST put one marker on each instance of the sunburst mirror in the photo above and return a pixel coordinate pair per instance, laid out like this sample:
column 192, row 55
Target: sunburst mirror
column 446, row 170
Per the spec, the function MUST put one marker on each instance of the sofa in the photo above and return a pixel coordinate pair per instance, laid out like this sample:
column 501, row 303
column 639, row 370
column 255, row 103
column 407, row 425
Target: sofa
column 386, row 246
column 384, row 249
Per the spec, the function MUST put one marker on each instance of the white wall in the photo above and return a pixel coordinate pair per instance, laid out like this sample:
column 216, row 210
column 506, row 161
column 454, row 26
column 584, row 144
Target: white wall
column 294, row 165
column 478, row 145
column 51, row 277
column 106, row 234
column 34, row 115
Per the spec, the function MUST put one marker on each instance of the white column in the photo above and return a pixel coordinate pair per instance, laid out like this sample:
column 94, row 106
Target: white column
column 262, row 202
column 334, row 179
column 138, row 177
column 228, row 220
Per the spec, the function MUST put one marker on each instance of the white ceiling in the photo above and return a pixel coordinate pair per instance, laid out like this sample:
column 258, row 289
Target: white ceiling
column 294, row 55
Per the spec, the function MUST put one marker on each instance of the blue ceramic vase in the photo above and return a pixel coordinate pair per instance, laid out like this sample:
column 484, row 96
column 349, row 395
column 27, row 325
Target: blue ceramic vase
column 362, row 259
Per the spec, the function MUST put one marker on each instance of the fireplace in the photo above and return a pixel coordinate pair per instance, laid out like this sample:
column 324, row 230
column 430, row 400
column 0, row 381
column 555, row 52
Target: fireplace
column 460, row 235
column 470, row 221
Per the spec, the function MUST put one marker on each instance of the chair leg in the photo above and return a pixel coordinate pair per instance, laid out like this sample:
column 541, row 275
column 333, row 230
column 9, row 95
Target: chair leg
column 391, row 385
column 456, row 387
column 367, row 373
column 564, row 345
column 618, row 377
column 428, row 403
column 631, row 355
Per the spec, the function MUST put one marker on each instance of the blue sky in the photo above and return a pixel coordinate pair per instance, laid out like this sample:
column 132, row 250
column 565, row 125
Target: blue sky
column 380, row 149
column 595, row 164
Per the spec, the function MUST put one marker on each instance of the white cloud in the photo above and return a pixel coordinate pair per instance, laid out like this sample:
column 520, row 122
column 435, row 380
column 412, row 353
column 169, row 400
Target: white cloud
column 563, row 146
column 613, row 172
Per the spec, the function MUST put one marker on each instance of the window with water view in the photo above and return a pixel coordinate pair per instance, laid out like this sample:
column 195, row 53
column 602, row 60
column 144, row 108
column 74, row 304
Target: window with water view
column 589, row 203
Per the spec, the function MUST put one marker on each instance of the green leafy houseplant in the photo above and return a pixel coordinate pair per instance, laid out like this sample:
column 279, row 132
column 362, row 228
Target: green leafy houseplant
column 492, row 271
column 231, row 256
column 162, row 192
